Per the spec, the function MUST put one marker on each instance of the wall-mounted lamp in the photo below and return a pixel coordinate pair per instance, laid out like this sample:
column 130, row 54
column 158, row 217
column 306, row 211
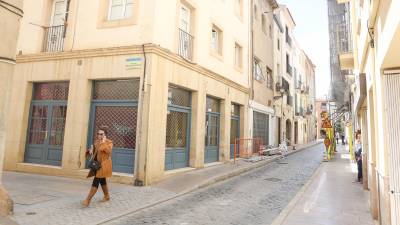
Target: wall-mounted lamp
column 371, row 36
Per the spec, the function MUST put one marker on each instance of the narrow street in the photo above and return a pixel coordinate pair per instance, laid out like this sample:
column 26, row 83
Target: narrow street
column 253, row 198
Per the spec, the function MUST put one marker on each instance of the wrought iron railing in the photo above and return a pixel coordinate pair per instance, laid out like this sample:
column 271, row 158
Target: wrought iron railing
column 185, row 45
column 289, row 69
column 54, row 39
column 289, row 40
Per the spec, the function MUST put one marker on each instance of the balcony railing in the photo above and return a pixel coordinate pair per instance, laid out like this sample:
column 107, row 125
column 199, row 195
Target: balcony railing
column 185, row 45
column 289, row 69
column 54, row 39
column 289, row 40
column 289, row 100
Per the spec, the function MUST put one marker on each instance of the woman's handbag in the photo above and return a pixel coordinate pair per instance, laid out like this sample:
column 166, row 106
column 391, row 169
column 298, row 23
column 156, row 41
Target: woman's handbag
column 93, row 164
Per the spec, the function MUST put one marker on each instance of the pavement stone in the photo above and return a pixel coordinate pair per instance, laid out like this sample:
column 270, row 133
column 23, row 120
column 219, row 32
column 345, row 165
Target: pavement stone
column 331, row 197
column 256, row 197
column 41, row 199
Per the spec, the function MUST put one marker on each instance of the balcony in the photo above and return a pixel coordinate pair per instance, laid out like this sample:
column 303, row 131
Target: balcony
column 298, row 85
column 289, row 100
column 346, row 60
column 288, row 40
column 289, row 69
column 309, row 110
column 54, row 39
column 307, row 90
column 185, row 45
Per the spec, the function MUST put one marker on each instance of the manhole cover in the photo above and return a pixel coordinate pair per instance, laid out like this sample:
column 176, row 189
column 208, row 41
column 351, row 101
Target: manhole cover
column 273, row 179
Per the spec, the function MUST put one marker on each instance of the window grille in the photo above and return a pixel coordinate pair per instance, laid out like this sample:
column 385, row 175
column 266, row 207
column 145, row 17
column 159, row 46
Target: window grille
column 51, row 91
column 116, row 90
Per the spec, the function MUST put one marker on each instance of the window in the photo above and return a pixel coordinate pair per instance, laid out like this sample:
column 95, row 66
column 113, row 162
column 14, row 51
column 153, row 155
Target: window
column 279, row 44
column 257, row 71
column 185, row 19
column 261, row 127
column 270, row 80
column 278, row 69
column 185, row 38
column 238, row 55
column 120, row 9
column 255, row 12
column 238, row 8
column 264, row 24
column 216, row 40
column 270, row 31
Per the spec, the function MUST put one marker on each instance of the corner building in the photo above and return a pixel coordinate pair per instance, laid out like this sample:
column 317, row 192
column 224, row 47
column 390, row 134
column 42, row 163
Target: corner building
column 169, row 78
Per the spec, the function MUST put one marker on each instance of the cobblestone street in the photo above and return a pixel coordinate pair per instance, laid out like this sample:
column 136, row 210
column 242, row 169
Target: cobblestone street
column 253, row 198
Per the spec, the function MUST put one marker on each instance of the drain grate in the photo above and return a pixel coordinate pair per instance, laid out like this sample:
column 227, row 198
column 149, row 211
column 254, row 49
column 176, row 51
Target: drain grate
column 273, row 179
column 282, row 163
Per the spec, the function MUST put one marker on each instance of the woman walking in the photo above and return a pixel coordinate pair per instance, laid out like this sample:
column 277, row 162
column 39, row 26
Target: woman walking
column 101, row 153
column 358, row 156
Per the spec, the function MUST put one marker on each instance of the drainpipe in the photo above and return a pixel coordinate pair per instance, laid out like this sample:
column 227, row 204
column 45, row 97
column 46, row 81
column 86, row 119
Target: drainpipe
column 251, row 59
column 138, row 182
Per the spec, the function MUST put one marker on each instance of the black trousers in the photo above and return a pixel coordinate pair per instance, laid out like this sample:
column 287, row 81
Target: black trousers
column 359, row 168
column 97, row 181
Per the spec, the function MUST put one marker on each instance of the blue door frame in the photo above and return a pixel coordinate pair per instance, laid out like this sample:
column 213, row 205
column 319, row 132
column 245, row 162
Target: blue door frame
column 211, row 152
column 44, row 153
column 176, row 158
column 236, row 119
column 122, row 158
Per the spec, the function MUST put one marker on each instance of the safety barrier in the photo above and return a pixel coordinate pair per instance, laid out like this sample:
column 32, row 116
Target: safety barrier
column 247, row 147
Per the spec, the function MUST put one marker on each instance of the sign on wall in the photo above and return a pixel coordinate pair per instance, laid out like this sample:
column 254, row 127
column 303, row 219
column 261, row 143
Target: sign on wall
column 133, row 63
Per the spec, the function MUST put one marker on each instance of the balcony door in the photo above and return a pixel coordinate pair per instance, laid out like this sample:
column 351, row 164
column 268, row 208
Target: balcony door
column 59, row 12
column 185, row 38
column 54, row 34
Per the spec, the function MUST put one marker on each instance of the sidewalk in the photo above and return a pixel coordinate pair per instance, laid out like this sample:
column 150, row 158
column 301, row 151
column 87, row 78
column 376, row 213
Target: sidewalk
column 330, row 197
column 40, row 199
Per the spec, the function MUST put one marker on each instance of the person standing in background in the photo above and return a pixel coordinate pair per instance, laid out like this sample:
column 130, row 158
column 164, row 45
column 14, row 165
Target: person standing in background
column 358, row 156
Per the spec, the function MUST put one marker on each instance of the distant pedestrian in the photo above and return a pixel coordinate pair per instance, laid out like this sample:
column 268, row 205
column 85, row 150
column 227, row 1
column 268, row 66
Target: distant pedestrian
column 101, row 165
column 337, row 137
column 342, row 136
column 358, row 156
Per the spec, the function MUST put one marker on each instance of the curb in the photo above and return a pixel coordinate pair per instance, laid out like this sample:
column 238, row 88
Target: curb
column 210, row 182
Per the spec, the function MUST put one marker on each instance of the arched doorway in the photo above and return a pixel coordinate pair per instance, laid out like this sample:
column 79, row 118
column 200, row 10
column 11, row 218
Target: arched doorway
column 289, row 131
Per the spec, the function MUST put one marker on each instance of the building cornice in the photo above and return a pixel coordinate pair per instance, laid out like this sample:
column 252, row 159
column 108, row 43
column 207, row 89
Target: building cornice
column 130, row 50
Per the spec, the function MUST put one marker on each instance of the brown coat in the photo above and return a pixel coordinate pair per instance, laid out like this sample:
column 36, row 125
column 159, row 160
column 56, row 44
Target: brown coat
column 104, row 151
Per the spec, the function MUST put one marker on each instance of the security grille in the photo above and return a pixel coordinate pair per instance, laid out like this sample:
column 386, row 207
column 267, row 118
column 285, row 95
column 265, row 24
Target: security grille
column 176, row 129
column 51, row 91
column 37, row 132
column 115, row 105
column 234, row 130
column 121, row 122
column 178, row 97
column 235, row 110
column 212, row 105
column 57, row 125
column 116, row 90
column 260, row 127
column 212, row 131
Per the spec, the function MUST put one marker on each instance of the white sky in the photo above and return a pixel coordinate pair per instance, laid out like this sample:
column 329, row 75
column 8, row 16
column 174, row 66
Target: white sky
column 312, row 33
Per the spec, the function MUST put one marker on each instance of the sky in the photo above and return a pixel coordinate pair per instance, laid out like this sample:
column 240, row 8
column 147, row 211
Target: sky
column 312, row 33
